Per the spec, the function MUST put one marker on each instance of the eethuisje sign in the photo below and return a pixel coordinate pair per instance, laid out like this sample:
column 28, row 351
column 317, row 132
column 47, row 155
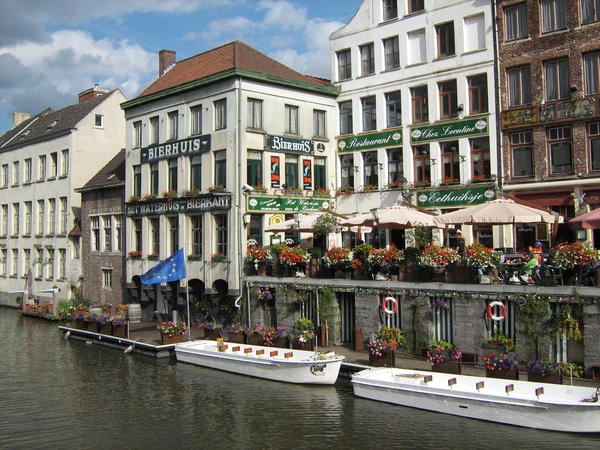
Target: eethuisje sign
column 445, row 198
column 286, row 204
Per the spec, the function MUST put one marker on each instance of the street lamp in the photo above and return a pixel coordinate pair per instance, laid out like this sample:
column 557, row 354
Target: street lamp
column 375, row 214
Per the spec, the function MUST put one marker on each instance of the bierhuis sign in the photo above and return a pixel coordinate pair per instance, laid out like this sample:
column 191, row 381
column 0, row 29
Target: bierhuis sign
column 446, row 198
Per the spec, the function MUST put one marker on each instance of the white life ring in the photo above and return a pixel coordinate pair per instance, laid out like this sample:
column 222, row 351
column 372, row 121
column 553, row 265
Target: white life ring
column 490, row 311
column 384, row 305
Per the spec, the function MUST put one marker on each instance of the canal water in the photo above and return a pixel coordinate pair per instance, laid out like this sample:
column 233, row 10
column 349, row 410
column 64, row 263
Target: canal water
column 65, row 394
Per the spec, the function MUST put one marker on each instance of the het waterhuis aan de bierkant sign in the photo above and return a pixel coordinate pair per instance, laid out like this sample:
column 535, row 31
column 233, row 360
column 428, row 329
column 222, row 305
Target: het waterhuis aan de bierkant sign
column 179, row 205
column 173, row 149
column 443, row 131
column 370, row 141
column 286, row 204
column 446, row 198
column 287, row 144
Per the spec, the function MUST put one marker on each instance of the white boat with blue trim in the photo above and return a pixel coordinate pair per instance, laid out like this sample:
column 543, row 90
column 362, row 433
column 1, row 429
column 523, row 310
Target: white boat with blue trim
column 271, row 363
column 543, row 406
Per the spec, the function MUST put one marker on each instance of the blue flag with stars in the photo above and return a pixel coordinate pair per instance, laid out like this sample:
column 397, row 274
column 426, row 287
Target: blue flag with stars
column 171, row 269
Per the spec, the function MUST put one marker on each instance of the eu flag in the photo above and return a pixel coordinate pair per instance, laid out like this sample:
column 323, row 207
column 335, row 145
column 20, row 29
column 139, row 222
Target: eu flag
column 171, row 269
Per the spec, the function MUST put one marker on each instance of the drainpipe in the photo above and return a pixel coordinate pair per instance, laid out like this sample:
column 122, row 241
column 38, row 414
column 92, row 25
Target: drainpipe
column 499, row 137
column 239, row 195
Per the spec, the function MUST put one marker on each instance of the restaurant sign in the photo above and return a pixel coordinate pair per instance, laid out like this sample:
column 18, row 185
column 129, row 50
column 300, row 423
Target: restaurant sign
column 286, row 204
column 370, row 141
column 443, row 131
column 179, row 205
column 173, row 149
column 446, row 198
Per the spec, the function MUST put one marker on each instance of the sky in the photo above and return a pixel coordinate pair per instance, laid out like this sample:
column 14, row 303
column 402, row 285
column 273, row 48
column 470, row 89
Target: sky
column 51, row 50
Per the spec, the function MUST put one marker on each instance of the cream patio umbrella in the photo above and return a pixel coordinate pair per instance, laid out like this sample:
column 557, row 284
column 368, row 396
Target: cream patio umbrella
column 501, row 211
column 305, row 225
column 394, row 217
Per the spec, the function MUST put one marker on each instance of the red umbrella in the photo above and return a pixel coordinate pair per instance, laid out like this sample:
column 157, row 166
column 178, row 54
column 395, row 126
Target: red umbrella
column 590, row 220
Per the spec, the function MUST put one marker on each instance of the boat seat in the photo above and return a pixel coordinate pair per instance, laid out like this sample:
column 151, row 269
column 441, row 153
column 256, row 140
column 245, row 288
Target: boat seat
column 274, row 353
column 452, row 382
column 46, row 307
column 479, row 385
column 288, row 355
column 427, row 379
column 260, row 352
column 539, row 391
column 509, row 388
column 248, row 350
column 236, row 349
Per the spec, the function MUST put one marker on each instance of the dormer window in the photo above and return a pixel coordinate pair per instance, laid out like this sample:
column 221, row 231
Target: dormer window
column 51, row 125
column 24, row 135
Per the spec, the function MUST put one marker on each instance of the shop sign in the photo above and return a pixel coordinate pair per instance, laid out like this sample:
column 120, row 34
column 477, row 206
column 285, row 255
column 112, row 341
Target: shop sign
column 179, row 205
column 191, row 146
column 446, row 198
column 286, row 204
column 287, row 144
column 446, row 130
column 518, row 117
column 370, row 141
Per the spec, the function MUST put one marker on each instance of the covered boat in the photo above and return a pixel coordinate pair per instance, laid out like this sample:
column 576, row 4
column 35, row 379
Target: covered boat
column 278, row 364
column 543, row 406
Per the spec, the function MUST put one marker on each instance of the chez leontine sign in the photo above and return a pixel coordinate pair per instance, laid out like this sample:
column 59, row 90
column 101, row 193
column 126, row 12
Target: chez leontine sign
column 442, row 131
column 173, row 149
column 179, row 205
column 286, row 204
column 370, row 141
column 445, row 198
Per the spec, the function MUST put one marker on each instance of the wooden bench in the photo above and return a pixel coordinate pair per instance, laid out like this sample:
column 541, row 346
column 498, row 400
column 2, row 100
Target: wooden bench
column 480, row 385
column 274, row 353
column 236, row 349
column 248, row 350
column 288, row 355
column 260, row 352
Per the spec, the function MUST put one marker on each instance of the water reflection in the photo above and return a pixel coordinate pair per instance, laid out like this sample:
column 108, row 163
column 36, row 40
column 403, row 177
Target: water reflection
column 66, row 394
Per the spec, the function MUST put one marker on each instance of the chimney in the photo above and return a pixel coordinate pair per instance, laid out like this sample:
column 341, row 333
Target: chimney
column 166, row 58
column 89, row 94
column 19, row 118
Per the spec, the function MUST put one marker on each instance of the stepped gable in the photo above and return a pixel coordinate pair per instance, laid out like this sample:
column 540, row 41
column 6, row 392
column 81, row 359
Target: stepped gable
column 48, row 123
column 235, row 55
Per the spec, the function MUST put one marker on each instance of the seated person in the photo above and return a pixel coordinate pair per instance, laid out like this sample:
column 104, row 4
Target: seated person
column 530, row 263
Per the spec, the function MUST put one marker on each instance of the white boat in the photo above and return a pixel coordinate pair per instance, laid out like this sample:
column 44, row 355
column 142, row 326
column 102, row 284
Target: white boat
column 543, row 406
column 271, row 363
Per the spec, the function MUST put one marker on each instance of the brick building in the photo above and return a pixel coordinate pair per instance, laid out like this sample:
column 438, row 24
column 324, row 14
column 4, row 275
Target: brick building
column 103, row 245
column 549, row 82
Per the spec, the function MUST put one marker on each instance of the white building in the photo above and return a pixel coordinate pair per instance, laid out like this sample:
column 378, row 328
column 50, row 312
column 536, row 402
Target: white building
column 417, row 106
column 209, row 125
column 43, row 159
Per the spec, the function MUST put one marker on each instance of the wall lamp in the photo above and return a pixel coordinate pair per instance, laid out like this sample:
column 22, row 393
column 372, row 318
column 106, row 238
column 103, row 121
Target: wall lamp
column 247, row 218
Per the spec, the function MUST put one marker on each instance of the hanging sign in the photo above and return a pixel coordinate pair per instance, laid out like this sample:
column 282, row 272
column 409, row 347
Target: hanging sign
column 443, row 131
column 275, row 172
column 307, row 173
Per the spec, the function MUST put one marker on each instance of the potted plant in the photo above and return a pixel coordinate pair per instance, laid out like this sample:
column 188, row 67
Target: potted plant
column 500, row 339
column 258, row 255
column 147, row 197
column 216, row 188
column 569, row 256
column 78, row 320
column 153, row 256
column 265, row 296
column 106, row 308
column 345, row 190
column 314, row 254
column 260, row 335
column 259, row 188
column 449, row 180
column 193, row 192
column 369, row 188
column 212, row 330
column 171, row 332
column 294, row 257
column 322, row 192
column 292, row 190
column 544, row 371
column 339, row 258
column 194, row 257
column 302, row 338
column 381, row 352
column 502, row 365
column 119, row 326
column 435, row 256
column 444, row 357
column 326, row 224
column 235, row 332
column 281, row 338
column 134, row 198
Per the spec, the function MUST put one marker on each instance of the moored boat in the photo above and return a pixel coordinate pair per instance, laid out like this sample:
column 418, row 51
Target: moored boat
column 290, row 366
column 542, row 406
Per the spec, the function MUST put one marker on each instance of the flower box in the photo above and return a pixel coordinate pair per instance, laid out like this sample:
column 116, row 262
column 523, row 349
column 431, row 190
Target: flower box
column 507, row 374
column 282, row 342
column 165, row 339
column 237, row 338
column 119, row 331
column 453, row 367
column 92, row 326
column 555, row 378
column 212, row 335
column 79, row 324
column 105, row 329
column 308, row 345
column 254, row 339
column 385, row 360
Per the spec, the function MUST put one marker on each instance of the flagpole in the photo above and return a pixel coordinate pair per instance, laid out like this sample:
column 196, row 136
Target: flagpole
column 187, row 296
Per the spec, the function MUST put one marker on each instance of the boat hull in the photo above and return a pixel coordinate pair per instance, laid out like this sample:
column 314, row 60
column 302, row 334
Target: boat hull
column 304, row 367
column 557, row 408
